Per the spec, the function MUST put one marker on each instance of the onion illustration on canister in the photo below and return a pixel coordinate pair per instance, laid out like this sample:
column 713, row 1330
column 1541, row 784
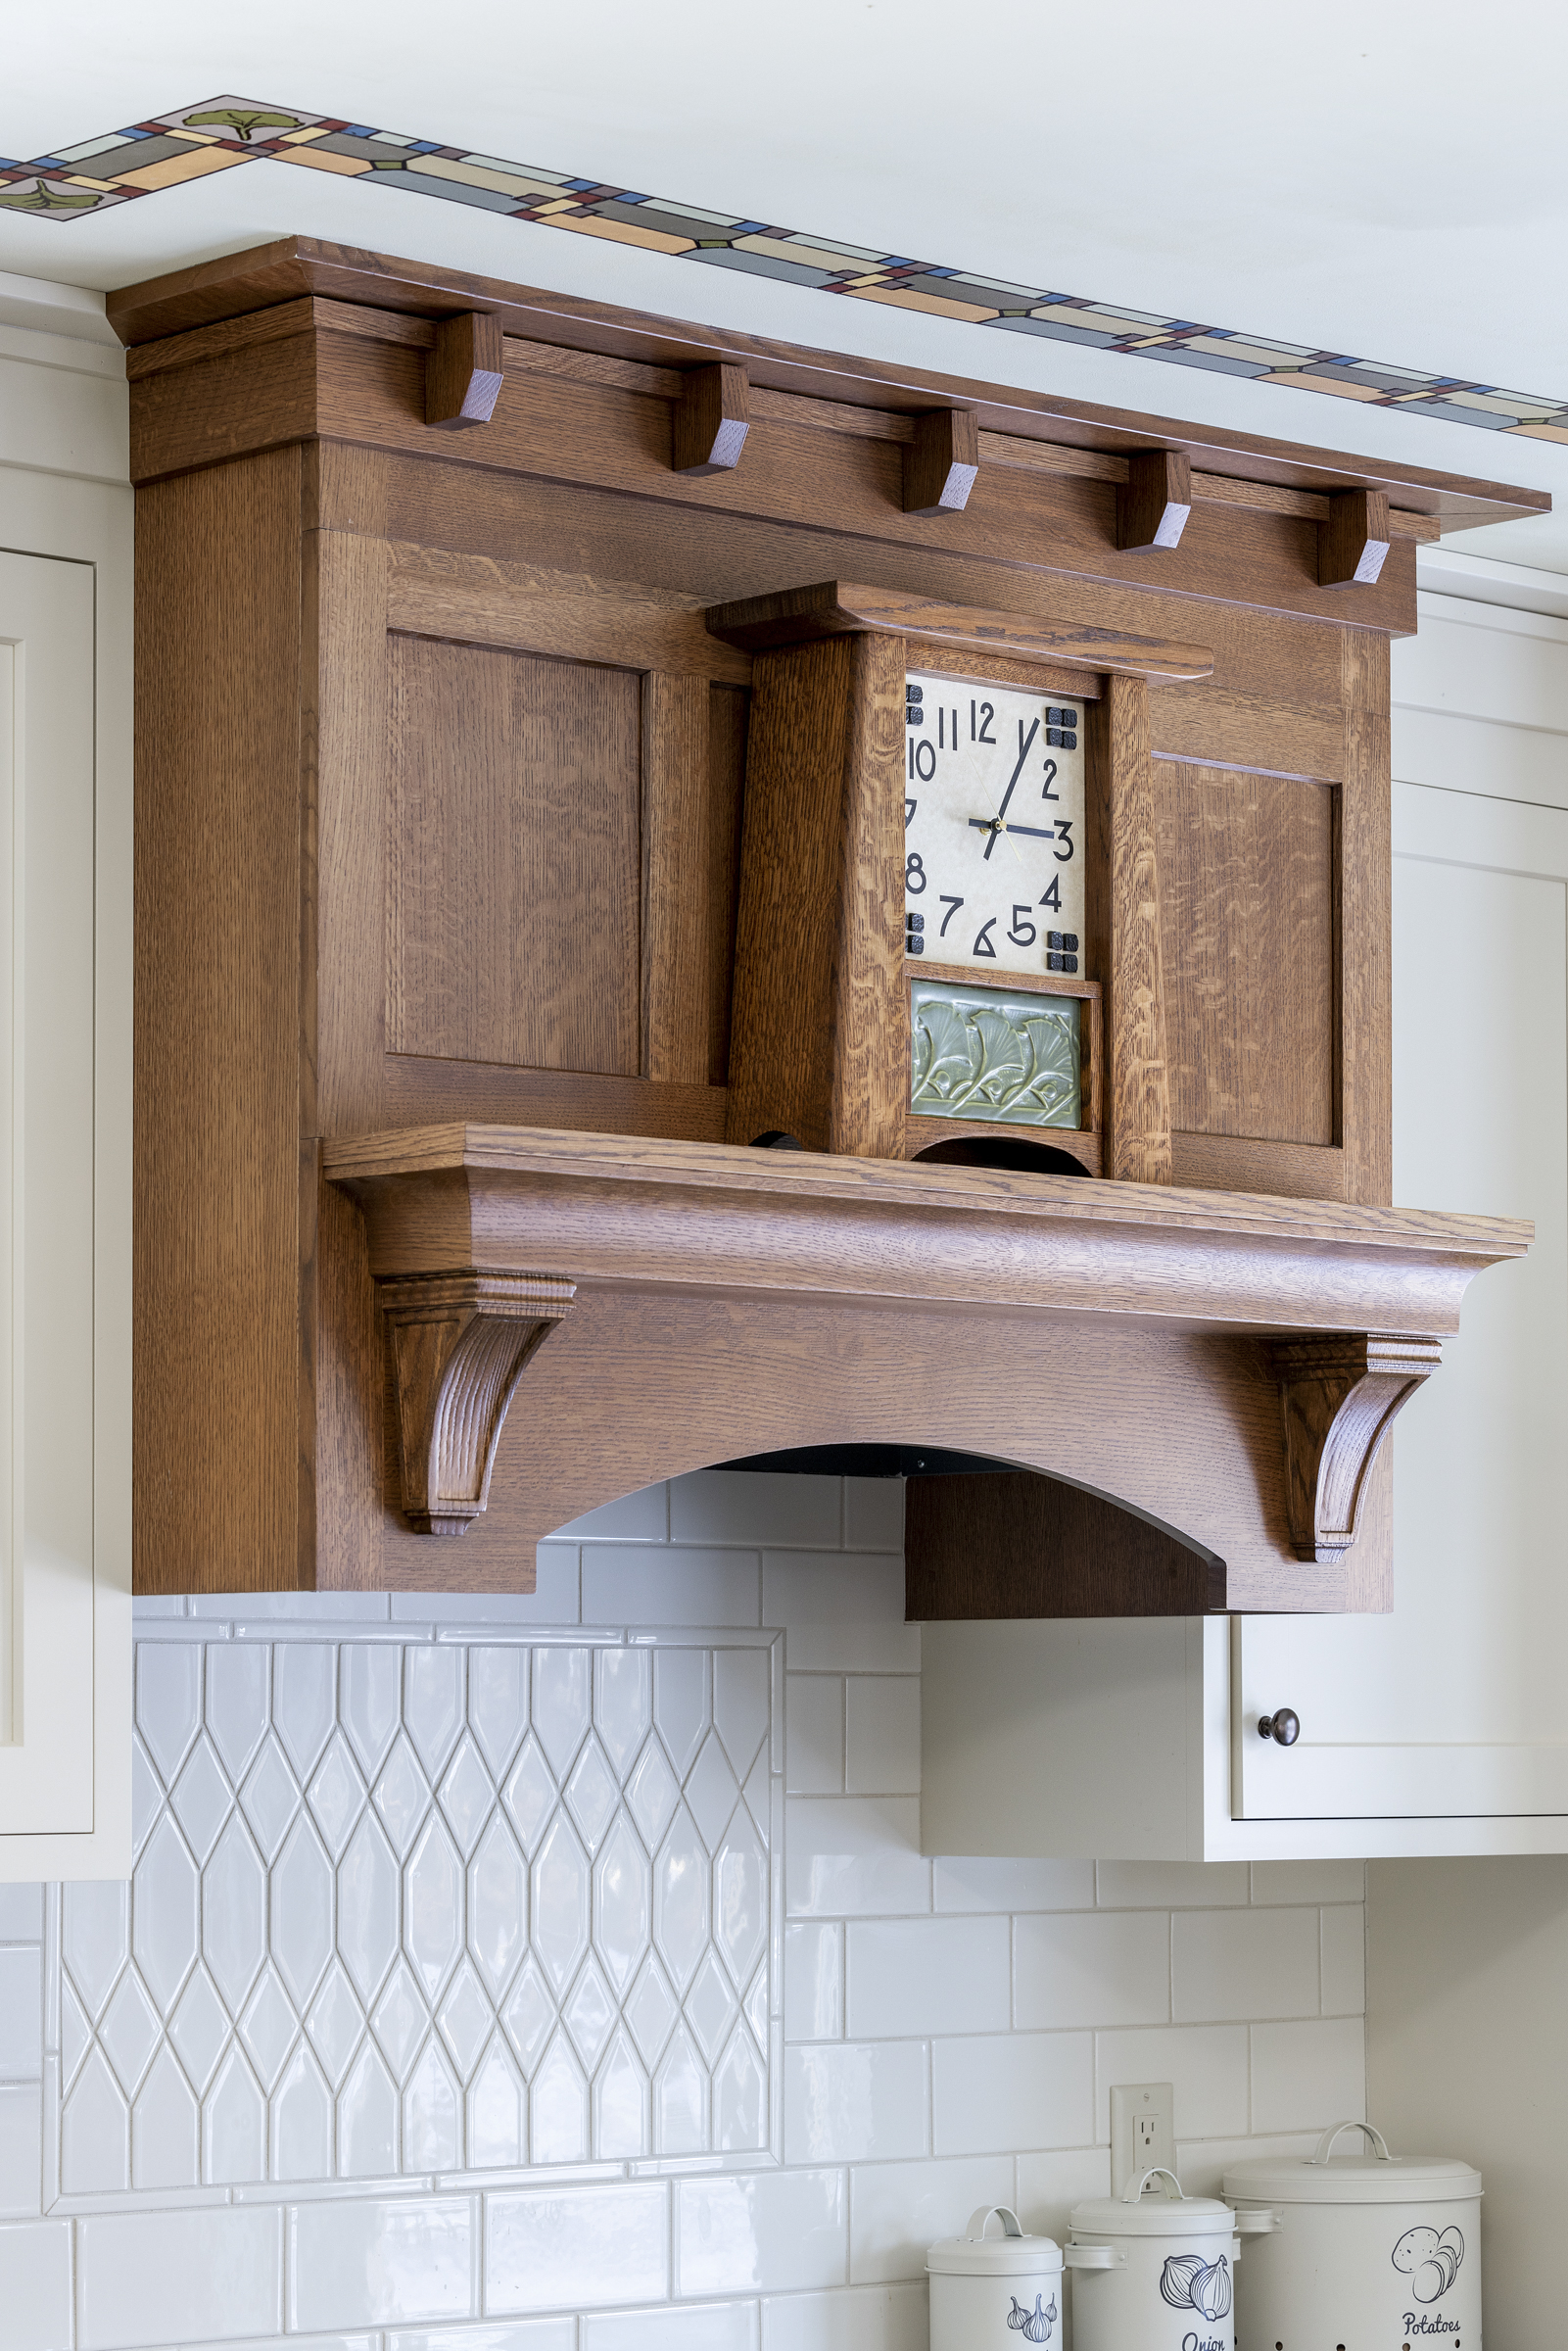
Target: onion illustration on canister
column 1033, row 2324
column 1429, row 2261
column 1188, row 2282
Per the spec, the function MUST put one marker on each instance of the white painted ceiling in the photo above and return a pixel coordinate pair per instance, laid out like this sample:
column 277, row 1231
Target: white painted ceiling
column 1371, row 176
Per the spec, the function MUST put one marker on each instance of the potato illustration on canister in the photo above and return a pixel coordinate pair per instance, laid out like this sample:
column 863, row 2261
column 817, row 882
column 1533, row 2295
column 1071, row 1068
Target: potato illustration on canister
column 1431, row 2262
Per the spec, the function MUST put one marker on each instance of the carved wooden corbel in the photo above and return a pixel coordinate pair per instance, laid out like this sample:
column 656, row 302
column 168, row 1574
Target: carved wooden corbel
column 460, row 1343
column 1340, row 1396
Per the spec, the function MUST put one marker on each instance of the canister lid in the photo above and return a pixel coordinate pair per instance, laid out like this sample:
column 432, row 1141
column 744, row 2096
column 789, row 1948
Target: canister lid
column 1370, row 2177
column 1010, row 2255
column 1152, row 2206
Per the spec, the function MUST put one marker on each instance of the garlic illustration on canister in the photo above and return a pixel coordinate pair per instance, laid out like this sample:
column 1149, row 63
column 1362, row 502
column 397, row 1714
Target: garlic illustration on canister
column 1033, row 2324
column 1429, row 2261
column 1188, row 2282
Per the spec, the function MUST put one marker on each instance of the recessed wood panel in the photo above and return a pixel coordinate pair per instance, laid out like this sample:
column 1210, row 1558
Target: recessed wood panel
column 1247, row 900
column 514, row 860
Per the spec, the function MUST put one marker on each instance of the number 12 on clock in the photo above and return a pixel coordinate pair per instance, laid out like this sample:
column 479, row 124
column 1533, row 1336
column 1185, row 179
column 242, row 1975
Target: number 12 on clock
column 993, row 826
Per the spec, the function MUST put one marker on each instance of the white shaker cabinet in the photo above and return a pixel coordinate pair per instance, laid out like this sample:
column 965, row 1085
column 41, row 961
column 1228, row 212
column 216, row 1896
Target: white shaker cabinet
column 1440, row 1728
column 65, row 1121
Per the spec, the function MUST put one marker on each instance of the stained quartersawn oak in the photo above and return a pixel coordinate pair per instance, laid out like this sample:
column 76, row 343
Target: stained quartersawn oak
column 842, row 609
column 1015, row 1544
column 515, row 875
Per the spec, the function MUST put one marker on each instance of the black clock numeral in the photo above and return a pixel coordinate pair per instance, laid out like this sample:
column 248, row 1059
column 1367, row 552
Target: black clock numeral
column 1064, row 826
column 1046, row 793
column 981, row 732
column 1023, row 933
column 952, row 905
column 1053, row 896
column 914, row 875
column 983, row 945
column 910, row 807
column 921, row 760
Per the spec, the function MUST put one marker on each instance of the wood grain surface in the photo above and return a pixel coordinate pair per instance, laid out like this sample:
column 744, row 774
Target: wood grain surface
column 843, row 608
column 465, row 371
column 1015, row 1543
column 1123, row 941
column 294, row 268
column 1155, row 503
column 941, row 459
column 677, row 1045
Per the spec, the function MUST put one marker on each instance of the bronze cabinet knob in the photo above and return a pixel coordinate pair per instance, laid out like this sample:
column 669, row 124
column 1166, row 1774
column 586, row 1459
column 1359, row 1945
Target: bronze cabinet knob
column 1284, row 1728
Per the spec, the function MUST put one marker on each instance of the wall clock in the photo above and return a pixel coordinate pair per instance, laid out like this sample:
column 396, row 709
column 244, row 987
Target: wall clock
column 944, row 872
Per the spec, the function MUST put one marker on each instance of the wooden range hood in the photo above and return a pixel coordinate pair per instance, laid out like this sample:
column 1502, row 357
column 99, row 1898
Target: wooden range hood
column 472, row 624
column 1225, row 1366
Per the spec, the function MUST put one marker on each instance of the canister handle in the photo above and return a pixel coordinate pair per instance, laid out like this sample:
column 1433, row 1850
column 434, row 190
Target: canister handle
column 1093, row 2257
column 1255, row 2223
column 1156, row 2171
column 1329, row 2137
column 982, row 2217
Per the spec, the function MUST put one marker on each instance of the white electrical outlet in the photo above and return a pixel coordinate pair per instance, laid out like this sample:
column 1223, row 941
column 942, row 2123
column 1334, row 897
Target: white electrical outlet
column 1143, row 2130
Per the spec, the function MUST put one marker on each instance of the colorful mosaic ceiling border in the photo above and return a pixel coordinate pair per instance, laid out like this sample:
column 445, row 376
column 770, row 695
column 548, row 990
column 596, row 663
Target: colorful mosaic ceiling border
column 222, row 132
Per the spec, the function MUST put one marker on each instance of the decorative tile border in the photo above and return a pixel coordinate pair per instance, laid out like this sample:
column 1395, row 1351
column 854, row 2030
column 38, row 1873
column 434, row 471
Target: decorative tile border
column 222, row 132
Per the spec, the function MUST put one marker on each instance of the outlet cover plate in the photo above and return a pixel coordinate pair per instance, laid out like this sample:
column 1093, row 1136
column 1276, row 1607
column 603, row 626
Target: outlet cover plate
column 1143, row 2130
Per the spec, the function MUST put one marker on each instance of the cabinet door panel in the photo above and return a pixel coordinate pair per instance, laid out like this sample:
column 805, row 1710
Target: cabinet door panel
column 57, row 1633
column 514, row 860
column 1453, row 1704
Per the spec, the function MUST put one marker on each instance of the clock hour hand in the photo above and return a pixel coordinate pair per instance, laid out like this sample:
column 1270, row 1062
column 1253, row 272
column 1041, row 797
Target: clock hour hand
column 1035, row 831
column 994, row 826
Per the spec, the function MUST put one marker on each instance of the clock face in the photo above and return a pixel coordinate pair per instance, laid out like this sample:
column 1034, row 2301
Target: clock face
column 994, row 831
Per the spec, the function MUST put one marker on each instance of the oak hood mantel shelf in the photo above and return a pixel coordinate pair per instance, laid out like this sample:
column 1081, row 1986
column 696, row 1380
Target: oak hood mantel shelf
column 1224, row 1366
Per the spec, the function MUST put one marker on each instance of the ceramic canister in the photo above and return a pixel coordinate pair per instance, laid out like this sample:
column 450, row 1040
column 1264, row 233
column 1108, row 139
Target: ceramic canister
column 1374, row 2251
column 1156, row 2270
column 992, row 2293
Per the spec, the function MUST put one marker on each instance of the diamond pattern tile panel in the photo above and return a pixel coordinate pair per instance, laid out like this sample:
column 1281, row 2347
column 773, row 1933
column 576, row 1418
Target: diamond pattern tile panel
column 426, row 1908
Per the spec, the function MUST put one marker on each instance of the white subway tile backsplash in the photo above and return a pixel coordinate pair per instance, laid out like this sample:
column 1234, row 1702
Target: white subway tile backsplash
column 756, row 1506
column 688, row 2327
column 1305, row 2075
column 1169, row 1885
column 21, row 2013
column 1205, row 2064
column 849, row 1856
column 575, row 2248
column 1012, row 2091
column 984, row 1883
column 371, row 2262
column 442, row 1886
column 761, row 2232
column 20, row 2152
column 1308, row 1881
column 1344, row 1930
column 1052, row 2180
column 873, row 1513
column 1201, row 2164
column 886, row 2317
column 21, row 1913
column 36, row 2282
column 640, row 1517
column 882, row 1734
column 911, row 1978
column 1091, row 1967
column 814, row 1981
column 148, row 2278
column 814, row 1734
column 849, row 2100
column 630, row 1584
column 897, row 2209
column 1250, row 1963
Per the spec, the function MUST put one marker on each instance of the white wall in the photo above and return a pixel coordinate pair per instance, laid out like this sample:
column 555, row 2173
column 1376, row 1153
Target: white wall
column 948, row 2031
